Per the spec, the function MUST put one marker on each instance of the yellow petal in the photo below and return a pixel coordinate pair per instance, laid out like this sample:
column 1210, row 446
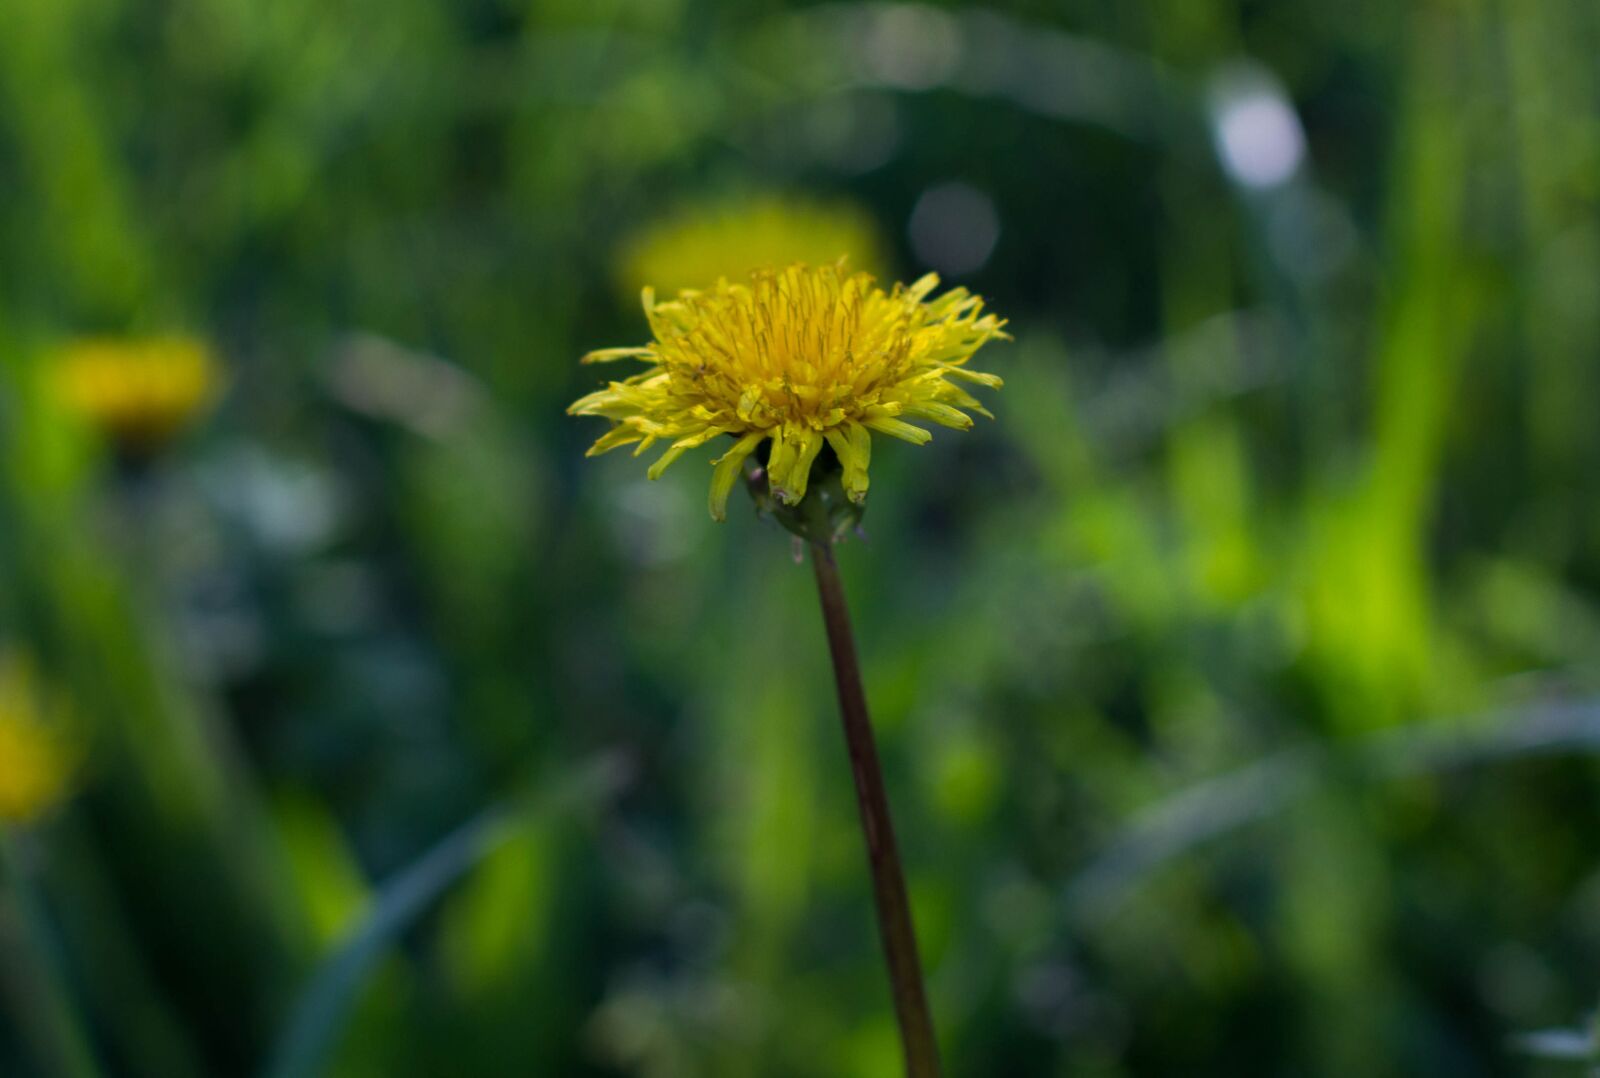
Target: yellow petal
column 924, row 284
column 781, row 462
column 616, row 436
column 940, row 413
column 808, row 443
column 681, row 446
column 853, row 445
column 904, row 431
column 608, row 355
column 727, row 471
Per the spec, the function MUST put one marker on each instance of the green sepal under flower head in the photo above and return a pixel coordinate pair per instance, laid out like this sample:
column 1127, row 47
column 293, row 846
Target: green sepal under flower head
column 824, row 516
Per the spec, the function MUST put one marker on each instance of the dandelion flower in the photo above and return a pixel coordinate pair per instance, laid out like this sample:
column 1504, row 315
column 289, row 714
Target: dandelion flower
column 702, row 242
column 812, row 359
column 36, row 762
column 137, row 392
column 804, row 356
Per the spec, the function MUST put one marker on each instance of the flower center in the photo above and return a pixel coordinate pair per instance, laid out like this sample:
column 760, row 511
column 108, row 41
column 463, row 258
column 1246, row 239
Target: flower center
column 809, row 350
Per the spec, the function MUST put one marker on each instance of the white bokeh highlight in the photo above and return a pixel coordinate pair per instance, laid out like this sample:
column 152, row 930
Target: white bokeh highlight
column 954, row 228
column 1258, row 135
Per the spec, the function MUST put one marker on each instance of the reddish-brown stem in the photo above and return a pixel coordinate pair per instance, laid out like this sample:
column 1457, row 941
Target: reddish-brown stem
column 883, row 856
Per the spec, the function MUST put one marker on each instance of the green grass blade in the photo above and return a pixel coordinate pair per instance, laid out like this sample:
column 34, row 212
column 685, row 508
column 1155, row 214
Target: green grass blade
column 314, row 1023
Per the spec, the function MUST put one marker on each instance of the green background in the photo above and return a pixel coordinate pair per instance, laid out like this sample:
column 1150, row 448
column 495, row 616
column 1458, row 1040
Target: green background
column 1237, row 686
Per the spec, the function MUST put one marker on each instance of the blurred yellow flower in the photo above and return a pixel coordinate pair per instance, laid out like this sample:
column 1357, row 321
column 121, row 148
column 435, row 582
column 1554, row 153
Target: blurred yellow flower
column 805, row 356
column 36, row 758
column 696, row 246
column 137, row 392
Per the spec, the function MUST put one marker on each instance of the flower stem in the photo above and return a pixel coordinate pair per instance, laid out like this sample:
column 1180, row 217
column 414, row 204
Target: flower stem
column 888, row 879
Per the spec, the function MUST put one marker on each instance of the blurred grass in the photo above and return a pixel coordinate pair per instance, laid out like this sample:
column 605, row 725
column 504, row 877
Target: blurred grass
column 1295, row 461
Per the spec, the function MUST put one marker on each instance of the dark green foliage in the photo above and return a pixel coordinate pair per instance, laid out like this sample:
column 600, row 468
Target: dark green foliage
column 1239, row 687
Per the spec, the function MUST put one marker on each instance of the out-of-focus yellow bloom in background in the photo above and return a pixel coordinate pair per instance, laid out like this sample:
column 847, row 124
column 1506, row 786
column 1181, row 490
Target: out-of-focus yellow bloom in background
column 137, row 392
column 37, row 758
column 807, row 356
column 700, row 243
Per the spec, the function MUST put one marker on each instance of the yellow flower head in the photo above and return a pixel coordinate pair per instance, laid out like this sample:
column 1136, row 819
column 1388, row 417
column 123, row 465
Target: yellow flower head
column 138, row 392
column 700, row 243
column 805, row 356
column 36, row 760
